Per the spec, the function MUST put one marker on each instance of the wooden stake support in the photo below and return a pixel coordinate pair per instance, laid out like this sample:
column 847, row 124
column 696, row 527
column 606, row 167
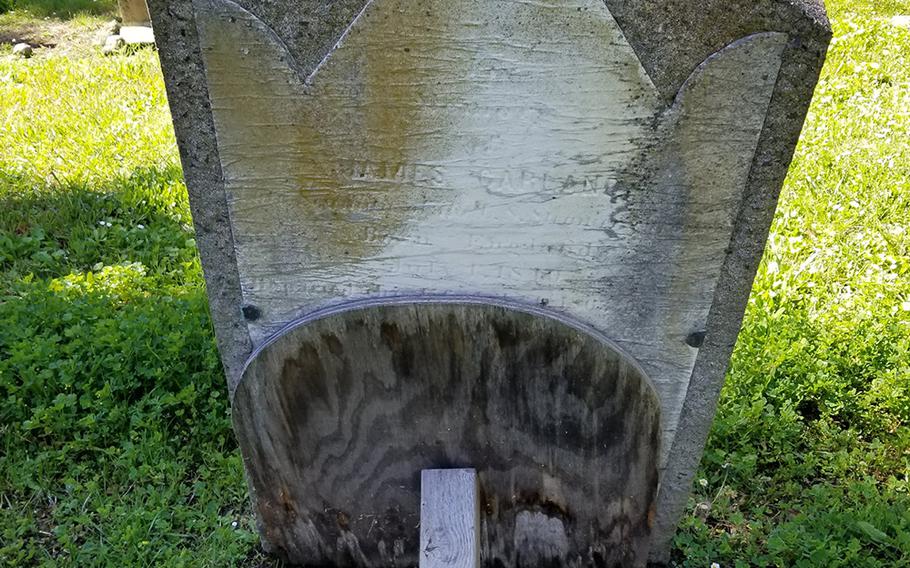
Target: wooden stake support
column 449, row 519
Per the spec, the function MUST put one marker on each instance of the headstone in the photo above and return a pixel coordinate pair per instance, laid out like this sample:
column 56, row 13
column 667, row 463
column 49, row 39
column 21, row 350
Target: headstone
column 516, row 237
column 22, row 50
column 134, row 13
column 137, row 35
column 112, row 44
column 137, row 23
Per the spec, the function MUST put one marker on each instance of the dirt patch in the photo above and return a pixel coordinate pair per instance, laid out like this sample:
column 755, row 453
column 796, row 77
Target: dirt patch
column 74, row 37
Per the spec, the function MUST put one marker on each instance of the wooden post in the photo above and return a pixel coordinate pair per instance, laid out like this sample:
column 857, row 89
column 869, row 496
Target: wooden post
column 449, row 519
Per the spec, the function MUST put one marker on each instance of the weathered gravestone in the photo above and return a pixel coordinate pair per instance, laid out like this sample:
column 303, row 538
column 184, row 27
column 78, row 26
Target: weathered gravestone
column 136, row 28
column 510, row 236
column 134, row 13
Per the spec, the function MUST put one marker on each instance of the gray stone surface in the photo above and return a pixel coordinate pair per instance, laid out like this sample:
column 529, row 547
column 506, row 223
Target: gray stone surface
column 807, row 28
column 112, row 44
column 22, row 50
column 616, row 163
column 534, row 201
column 137, row 35
column 184, row 74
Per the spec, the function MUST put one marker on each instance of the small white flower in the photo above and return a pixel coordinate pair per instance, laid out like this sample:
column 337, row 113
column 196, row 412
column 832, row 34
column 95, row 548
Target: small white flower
column 140, row 226
column 703, row 482
column 715, row 565
column 234, row 526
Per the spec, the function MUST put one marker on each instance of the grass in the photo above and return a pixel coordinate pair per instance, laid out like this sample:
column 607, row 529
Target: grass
column 63, row 9
column 65, row 25
column 115, row 441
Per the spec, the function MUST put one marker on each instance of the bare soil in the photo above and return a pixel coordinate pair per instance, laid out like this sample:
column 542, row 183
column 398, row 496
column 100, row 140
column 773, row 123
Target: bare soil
column 73, row 37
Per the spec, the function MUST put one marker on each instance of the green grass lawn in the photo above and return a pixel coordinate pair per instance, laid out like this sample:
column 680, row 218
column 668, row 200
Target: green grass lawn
column 115, row 440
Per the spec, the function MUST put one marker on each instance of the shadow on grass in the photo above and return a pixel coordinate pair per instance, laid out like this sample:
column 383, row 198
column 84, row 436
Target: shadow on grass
column 75, row 32
column 50, row 230
column 49, row 23
column 113, row 404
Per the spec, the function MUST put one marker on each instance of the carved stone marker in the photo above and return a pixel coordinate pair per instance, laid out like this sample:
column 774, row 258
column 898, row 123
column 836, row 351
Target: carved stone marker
column 134, row 13
column 511, row 236
column 136, row 28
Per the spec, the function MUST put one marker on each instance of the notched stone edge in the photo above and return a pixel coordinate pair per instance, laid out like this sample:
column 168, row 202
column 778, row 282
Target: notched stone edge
column 671, row 38
column 801, row 64
column 238, row 14
column 174, row 23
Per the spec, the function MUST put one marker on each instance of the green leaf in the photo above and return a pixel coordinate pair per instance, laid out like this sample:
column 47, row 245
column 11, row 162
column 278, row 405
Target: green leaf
column 872, row 532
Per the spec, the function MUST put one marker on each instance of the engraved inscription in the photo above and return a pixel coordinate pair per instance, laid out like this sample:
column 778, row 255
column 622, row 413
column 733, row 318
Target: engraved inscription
column 468, row 147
